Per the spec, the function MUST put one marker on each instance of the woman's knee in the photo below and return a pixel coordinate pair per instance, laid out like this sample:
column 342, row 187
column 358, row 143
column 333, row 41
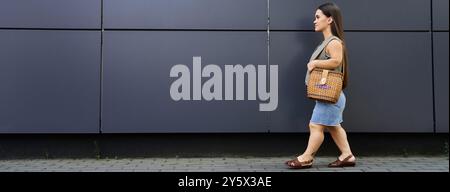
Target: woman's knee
column 316, row 127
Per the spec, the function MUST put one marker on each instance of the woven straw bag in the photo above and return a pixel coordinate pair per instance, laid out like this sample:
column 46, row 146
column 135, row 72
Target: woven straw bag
column 325, row 85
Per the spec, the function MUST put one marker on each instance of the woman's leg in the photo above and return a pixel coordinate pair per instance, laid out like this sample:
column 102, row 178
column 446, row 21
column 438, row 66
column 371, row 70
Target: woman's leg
column 340, row 138
column 315, row 140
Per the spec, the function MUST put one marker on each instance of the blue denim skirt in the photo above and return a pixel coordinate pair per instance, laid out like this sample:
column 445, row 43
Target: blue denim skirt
column 329, row 114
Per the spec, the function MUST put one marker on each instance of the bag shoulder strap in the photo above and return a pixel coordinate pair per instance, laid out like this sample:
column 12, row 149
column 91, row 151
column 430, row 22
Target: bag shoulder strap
column 325, row 43
column 322, row 46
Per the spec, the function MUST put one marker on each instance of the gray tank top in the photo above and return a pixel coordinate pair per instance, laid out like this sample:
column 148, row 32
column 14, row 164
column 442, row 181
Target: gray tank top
column 320, row 54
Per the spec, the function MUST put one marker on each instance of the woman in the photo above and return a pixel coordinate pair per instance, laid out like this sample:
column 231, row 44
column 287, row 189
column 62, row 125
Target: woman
column 328, row 20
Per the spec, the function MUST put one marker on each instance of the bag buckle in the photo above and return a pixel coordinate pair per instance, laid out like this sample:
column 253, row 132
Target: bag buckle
column 323, row 80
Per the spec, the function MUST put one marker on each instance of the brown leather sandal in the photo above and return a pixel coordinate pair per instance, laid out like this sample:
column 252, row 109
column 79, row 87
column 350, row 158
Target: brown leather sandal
column 296, row 164
column 343, row 163
column 290, row 161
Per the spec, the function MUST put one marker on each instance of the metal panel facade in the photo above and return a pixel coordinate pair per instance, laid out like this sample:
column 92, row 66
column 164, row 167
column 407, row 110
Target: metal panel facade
column 64, row 70
column 390, row 89
column 390, row 82
column 137, row 82
column 291, row 51
column 357, row 14
column 185, row 14
column 50, row 14
column 440, row 14
column 441, row 80
column 49, row 81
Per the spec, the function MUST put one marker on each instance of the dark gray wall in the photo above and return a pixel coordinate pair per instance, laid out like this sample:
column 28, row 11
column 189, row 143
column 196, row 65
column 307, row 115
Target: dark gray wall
column 378, row 87
column 185, row 14
column 136, row 81
column 61, row 73
column 440, row 63
column 290, row 51
column 49, row 81
column 50, row 14
column 357, row 14
column 441, row 79
column 440, row 15
column 390, row 85
column 50, row 66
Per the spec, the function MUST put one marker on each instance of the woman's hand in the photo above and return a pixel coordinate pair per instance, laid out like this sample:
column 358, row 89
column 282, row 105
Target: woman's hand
column 311, row 65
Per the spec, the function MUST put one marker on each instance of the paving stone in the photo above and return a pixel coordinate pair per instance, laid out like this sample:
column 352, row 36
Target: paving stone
column 223, row 164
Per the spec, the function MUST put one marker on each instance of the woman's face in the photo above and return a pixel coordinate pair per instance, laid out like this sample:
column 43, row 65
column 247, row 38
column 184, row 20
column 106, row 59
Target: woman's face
column 321, row 21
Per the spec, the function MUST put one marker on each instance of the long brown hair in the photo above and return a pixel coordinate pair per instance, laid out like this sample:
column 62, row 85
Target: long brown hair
column 337, row 29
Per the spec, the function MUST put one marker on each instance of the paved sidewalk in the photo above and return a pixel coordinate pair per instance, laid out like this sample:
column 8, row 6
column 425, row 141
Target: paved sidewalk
column 223, row 164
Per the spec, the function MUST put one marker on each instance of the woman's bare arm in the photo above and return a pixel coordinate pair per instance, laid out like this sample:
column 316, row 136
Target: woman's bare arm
column 334, row 48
